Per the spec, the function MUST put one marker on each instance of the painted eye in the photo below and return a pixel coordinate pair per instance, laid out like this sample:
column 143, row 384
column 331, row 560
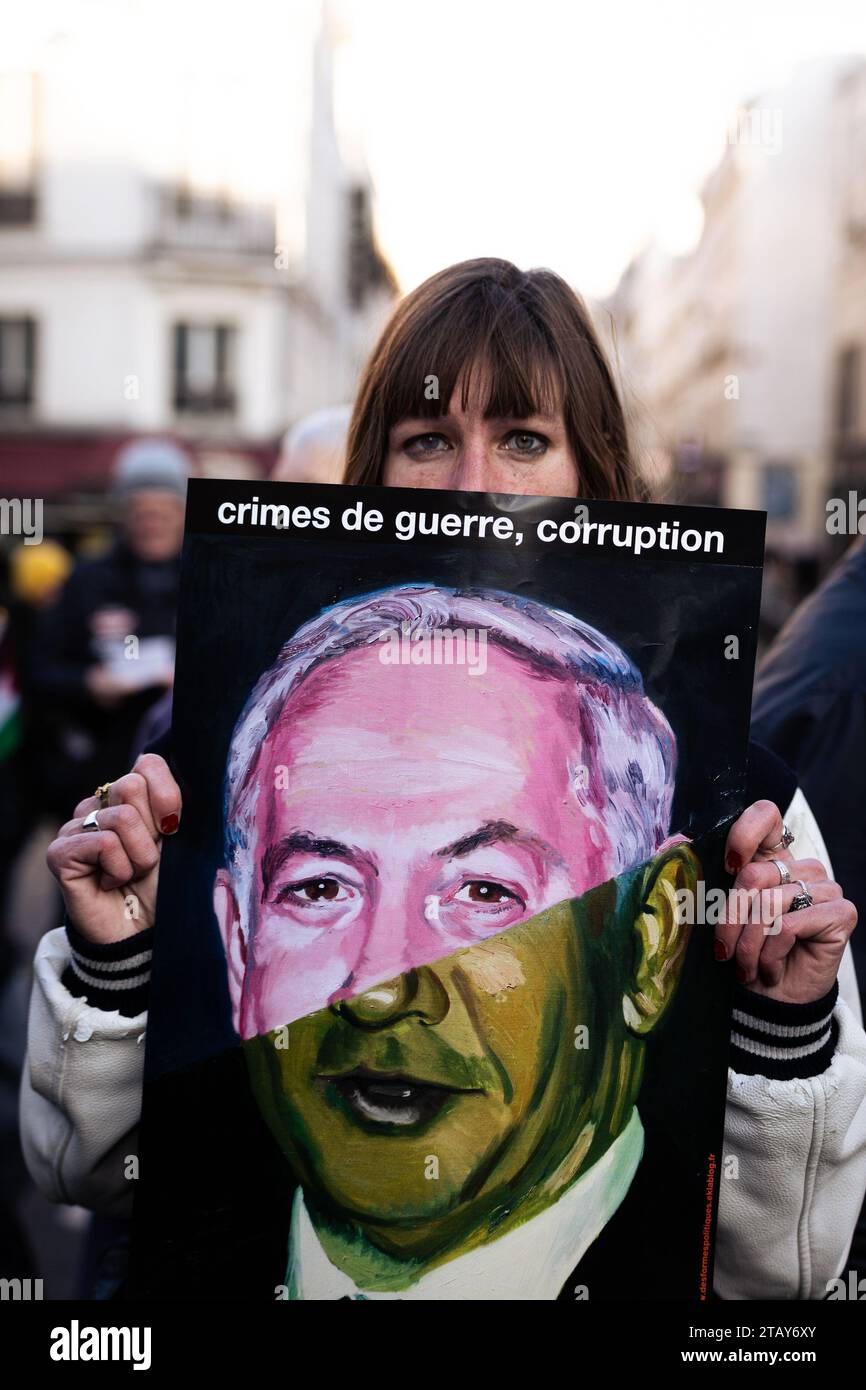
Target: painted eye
column 484, row 893
column 315, row 890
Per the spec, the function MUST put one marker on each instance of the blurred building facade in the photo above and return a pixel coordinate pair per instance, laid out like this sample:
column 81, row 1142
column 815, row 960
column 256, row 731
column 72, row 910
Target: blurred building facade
column 848, row 405
column 731, row 356
column 132, row 304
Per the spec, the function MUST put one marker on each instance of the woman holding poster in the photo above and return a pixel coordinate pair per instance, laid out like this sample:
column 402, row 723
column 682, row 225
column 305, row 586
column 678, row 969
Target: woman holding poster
column 492, row 380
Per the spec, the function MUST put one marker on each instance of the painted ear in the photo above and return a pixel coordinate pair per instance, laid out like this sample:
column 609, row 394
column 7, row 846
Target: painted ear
column 228, row 916
column 662, row 937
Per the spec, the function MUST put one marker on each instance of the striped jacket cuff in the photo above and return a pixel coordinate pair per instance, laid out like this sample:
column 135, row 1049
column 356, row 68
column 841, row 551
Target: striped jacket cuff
column 782, row 1041
column 115, row 976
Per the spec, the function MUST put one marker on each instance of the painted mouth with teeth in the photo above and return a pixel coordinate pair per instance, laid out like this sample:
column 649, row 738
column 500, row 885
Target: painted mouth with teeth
column 382, row 1100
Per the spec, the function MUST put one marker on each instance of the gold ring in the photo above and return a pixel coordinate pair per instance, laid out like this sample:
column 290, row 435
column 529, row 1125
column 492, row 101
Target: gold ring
column 103, row 794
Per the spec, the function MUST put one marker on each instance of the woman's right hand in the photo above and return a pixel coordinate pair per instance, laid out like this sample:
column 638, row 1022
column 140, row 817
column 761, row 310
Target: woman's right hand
column 108, row 877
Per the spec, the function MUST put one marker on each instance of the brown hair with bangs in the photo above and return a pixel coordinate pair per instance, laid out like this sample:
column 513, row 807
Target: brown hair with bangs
column 531, row 339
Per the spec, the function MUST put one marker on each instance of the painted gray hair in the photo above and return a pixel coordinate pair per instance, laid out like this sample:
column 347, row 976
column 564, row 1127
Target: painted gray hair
column 624, row 771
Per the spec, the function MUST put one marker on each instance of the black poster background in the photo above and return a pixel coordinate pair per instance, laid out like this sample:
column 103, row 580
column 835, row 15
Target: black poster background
column 211, row 1208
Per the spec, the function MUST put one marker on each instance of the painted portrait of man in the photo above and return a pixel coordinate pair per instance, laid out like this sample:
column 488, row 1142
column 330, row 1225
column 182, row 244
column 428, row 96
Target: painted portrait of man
column 448, row 908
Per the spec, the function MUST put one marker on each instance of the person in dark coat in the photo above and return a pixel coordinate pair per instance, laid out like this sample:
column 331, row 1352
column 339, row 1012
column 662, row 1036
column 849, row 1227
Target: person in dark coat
column 809, row 706
column 106, row 649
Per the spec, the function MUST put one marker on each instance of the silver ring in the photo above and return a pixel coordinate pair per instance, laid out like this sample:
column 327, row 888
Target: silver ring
column 90, row 822
column 784, row 876
column 786, row 841
column 802, row 900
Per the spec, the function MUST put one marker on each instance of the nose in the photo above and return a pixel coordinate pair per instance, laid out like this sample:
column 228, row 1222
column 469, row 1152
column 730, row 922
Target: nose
column 472, row 470
column 419, row 993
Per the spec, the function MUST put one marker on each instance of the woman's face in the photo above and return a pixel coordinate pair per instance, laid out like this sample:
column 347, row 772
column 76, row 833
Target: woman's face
column 465, row 452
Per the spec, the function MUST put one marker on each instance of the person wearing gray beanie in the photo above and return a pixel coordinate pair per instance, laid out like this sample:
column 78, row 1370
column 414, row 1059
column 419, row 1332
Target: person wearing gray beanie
column 107, row 645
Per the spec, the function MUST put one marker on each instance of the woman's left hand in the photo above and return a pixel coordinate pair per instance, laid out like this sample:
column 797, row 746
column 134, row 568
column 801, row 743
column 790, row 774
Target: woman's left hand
column 791, row 956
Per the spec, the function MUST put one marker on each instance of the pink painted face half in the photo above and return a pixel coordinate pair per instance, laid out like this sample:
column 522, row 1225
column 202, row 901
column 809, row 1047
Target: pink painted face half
column 404, row 813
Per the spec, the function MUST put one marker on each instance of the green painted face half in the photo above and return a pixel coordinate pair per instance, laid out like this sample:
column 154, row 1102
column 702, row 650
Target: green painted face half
column 441, row 1107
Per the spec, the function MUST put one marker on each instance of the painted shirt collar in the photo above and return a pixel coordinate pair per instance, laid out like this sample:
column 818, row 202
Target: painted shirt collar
column 531, row 1262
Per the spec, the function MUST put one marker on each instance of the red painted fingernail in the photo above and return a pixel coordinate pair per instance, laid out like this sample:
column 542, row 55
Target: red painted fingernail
column 720, row 950
column 168, row 825
column 733, row 863
column 742, row 975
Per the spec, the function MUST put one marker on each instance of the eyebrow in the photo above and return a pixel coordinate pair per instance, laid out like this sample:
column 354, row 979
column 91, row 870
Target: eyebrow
column 497, row 832
column 304, row 842
column 494, row 832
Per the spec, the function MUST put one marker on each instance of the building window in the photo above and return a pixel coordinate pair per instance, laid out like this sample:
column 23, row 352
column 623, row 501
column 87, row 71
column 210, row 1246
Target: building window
column 780, row 492
column 17, row 207
column 18, row 148
column 17, row 358
column 367, row 269
column 848, row 393
column 204, row 379
column 182, row 201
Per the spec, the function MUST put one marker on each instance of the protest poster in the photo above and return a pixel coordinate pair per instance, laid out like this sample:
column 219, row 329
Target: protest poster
column 435, row 1011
